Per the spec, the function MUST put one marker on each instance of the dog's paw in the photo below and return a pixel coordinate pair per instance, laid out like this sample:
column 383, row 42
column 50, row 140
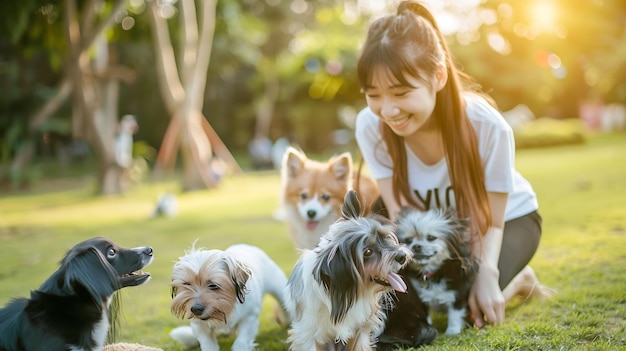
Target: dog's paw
column 453, row 331
column 425, row 336
column 184, row 336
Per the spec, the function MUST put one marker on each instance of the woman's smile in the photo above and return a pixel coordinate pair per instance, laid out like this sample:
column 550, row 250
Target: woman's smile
column 398, row 122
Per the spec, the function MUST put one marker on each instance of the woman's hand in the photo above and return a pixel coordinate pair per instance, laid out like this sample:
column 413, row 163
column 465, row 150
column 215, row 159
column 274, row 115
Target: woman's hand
column 486, row 301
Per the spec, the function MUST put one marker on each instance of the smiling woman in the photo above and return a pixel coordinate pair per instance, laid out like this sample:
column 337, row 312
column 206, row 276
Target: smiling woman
column 431, row 141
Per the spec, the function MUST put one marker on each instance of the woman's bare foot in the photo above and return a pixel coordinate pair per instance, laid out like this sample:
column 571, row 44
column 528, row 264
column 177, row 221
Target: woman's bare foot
column 525, row 285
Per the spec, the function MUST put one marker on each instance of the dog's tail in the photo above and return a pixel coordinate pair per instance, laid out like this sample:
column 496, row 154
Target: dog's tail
column 276, row 286
column 184, row 336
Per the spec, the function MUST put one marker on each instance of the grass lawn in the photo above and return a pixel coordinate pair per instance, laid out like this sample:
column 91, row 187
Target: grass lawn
column 582, row 195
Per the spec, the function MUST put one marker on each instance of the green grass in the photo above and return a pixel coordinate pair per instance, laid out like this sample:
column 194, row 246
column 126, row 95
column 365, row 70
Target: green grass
column 582, row 195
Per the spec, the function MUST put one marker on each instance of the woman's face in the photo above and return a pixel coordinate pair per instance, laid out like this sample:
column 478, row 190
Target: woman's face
column 404, row 108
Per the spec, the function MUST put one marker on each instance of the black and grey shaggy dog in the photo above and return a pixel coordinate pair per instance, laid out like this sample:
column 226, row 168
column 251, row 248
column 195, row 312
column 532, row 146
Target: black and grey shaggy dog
column 71, row 311
column 443, row 268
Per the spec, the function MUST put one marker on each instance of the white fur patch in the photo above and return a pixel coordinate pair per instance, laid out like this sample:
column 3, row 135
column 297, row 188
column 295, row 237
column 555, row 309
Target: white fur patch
column 455, row 321
column 316, row 206
column 436, row 295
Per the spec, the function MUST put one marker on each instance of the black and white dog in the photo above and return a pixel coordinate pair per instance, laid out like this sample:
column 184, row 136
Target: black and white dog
column 335, row 290
column 443, row 268
column 71, row 311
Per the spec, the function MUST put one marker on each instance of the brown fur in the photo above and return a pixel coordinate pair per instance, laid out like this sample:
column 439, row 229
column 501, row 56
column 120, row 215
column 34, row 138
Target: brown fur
column 304, row 179
column 191, row 288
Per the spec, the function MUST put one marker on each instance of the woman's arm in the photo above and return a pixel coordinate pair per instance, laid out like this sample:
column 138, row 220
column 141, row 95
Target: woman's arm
column 486, row 300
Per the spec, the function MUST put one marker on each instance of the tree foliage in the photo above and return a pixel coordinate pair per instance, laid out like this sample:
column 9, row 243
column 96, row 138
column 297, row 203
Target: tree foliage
column 288, row 66
column 549, row 55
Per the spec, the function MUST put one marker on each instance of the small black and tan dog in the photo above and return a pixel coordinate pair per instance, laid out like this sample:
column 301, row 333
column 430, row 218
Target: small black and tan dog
column 72, row 310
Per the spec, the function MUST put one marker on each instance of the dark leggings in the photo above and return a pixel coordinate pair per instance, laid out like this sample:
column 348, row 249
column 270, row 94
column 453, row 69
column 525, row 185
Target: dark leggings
column 519, row 242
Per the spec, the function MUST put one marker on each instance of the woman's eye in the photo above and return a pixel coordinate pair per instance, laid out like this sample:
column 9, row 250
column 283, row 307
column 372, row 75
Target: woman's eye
column 402, row 94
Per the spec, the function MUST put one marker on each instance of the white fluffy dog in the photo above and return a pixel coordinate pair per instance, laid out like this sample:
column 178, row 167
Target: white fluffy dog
column 222, row 293
column 335, row 290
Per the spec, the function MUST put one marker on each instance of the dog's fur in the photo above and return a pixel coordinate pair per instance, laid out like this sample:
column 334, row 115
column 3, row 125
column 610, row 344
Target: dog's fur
column 222, row 293
column 72, row 308
column 406, row 323
column 123, row 346
column 335, row 290
column 443, row 268
column 312, row 193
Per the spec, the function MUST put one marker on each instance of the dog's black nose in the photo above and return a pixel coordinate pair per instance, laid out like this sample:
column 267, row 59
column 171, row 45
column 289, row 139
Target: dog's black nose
column 197, row 309
column 401, row 258
column 148, row 251
column 311, row 213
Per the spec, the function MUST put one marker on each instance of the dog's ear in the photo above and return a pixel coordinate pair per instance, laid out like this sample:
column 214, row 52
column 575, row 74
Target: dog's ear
column 239, row 274
column 86, row 271
column 351, row 208
column 341, row 167
column 461, row 227
column 337, row 271
column 461, row 239
column 293, row 162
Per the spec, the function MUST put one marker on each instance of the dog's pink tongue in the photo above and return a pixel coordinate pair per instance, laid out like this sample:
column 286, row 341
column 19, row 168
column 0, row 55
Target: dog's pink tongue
column 396, row 282
column 311, row 225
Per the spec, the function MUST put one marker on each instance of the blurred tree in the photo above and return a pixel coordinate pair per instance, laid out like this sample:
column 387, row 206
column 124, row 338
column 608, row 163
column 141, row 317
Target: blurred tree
column 319, row 72
column 182, row 87
column 262, row 61
column 287, row 66
column 92, row 77
column 550, row 55
column 27, row 69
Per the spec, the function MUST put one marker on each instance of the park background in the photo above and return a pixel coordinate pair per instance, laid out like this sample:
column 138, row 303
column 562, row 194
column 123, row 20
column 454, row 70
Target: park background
column 203, row 79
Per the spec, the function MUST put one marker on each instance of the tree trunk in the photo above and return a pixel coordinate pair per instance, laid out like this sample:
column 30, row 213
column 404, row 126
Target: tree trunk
column 196, row 154
column 267, row 103
column 89, row 119
column 183, row 92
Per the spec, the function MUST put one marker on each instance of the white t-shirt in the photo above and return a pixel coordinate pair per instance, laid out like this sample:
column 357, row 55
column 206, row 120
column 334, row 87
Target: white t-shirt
column 431, row 183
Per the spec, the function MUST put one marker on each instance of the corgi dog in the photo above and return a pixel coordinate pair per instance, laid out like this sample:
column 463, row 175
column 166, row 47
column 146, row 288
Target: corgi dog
column 313, row 191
